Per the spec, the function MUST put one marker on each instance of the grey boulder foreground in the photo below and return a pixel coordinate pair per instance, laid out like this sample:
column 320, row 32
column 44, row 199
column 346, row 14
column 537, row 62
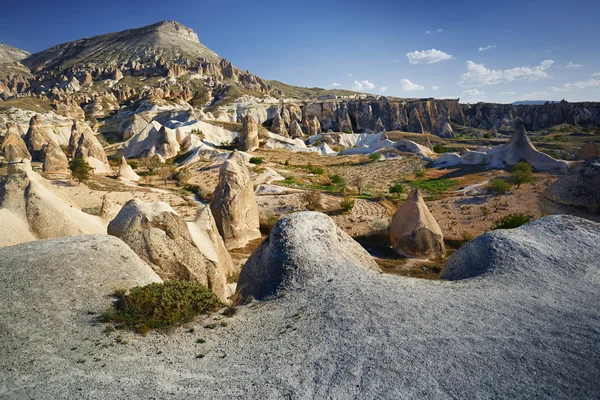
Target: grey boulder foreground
column 529, row 329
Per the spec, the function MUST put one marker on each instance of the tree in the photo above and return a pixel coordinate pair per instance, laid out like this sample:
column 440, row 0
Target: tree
column 498, row 186
column 522, row 172
column 359, row 182
column 151, row 163
column 80, row 169
column 165, row 172
column 396, row 189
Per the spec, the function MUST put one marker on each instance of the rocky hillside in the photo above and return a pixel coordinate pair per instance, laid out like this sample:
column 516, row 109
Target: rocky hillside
column 166, row 65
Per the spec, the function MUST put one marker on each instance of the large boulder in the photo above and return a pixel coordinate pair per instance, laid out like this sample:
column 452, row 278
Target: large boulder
column 302, row 247
column 551, row 245
column 160, row 237
column 55, row 159
column 576, row 193
column 249, row 134
column 18, row 147
column 414, row 231
column 233, row 203
column 32, row 211
column 126, row 173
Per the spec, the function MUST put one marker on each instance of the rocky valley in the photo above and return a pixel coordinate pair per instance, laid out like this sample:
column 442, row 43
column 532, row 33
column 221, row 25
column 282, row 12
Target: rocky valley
column 172, row 226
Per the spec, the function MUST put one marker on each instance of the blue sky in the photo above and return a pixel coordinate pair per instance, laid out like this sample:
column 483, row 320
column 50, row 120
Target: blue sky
column 499, row 51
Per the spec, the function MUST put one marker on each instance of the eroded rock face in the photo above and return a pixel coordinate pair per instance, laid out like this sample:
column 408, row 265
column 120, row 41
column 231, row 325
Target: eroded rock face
column 296, row 130
column 91, row 150
column 379, row 126
column 162, row 238
column 278, row 126
column 414, row 231
column 13, row 145
column 165, row 143
column 126, row 173
column 249, row 134
column 295, row 253
column 234, row 204
column 35, row 139
column 588, row 150
column 55, row 159
column 313, row 126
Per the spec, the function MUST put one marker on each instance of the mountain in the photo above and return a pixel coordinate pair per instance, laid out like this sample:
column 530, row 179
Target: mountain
column 166, row 39
column 10, row 54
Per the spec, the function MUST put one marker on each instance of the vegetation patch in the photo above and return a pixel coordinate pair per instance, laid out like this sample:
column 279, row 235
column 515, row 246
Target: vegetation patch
column 160, row 305
column 511, row 221
column 435, row 186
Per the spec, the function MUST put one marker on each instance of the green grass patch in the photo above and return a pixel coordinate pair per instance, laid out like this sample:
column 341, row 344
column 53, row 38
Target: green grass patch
column 435, row 186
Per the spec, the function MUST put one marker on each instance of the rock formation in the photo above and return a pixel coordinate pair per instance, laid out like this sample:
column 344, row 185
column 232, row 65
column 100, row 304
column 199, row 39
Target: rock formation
column 30, row 211
column 126, row 173
column 576, row 193
column 414, row 231
column 249, row 134
column 296, row 130
column 55, row 159
column 162, row 238
column 34, row 139
column 494, row 132
column 379, row 126
column 296, row 252
column 165, row 144
column 588, row 150
column 89, row 148
column 313, row 126
column 233, row 204
column 12, row 139
column 278, row 126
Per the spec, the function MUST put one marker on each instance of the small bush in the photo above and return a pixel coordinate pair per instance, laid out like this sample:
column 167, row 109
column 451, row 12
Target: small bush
column 336, row 179
column 256, row 160
column 161, row 305
column 258, row 170
column 512, row 221
column 440, row 149
column 487, row 136
column 396, row 189
column 312, row 200
column 314, row 170
column 420, row 173
column 498, row 186
column 374, row 157
column 347, row 204
column 133, row 164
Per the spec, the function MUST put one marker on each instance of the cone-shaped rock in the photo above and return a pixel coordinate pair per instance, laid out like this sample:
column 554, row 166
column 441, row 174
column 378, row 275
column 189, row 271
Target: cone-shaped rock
column 296, row 130
column 160, row 237
column 414, row 231
column 76, row 131
column 249, row 134
column 35, row 139
column 55, row 159
column 313, row 126
column 233, row 204
column 126, row 173
column 494, row 132
column 13, row 145
column 92, row 151
column 166, row 143
column 414, row 122
column 278, row 126
column 379, row 126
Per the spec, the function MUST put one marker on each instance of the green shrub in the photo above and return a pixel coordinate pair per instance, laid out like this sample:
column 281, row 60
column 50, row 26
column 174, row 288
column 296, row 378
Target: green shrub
column 512, row 221
column 420, row 173
column 161, row 305
column 396, row 189
column 312, row 200
column 347, row 204
column 522, row 172
column 440, row 149
column 374, row 156
column 80, row 169
column 487, row 136
column 336, row 179
column 256, row 160
column 498, row 186
column 259, row 170
column 314, row 170
column 133, row 164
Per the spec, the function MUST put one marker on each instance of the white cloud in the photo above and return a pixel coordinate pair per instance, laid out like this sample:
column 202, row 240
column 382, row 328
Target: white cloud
column 408, row 86
column 474, row 92
column 427, row 32
column 488, row 47
column 570, row 87
column 595, row 74
column 507, row 94
column 349, row 74
column 383, row 89
column 335, row 84
column 362, row 85
column 435, row 87
column 480, row 75
column 571, row 65
column 439, row 30
column 428, row 56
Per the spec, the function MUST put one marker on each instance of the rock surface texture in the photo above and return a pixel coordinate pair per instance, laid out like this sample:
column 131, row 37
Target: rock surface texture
column 162, row 238
column 249, row 134
column 233, row 204
column 19, row 147
column 414, row 231
column 55, row 159
column 126, row 173
column 526, row 329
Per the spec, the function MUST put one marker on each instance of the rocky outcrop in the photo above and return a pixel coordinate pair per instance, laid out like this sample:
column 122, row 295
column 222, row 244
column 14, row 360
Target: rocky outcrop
column 554, row 242
column 55, row 159
column 588, row 150
column 379, row 126
column 278, row 126
column 35, row 139
column 165, row 144
column 295, row 253
column 126, row 173
column 414, row 122
column 296, row 130
column 414, row 231
column 162, row 238
column 313, row 126
column 90, row 149
column 233, row 204
column 249, row 134
column 30, row 211
column 13, row 145
column 575, row 193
